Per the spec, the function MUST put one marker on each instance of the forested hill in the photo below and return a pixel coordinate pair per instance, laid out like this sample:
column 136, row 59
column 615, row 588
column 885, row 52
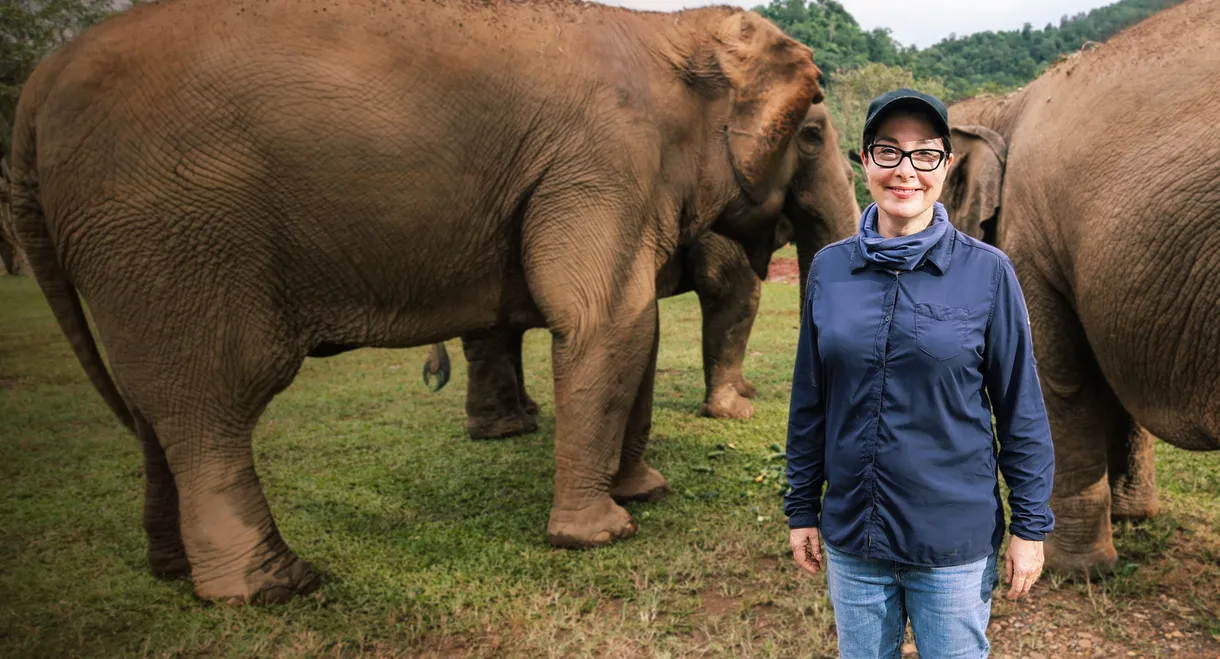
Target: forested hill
column 980, row 62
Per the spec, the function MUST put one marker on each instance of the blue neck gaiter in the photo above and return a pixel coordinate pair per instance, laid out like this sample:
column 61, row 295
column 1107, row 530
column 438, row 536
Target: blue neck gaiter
column 902, row 252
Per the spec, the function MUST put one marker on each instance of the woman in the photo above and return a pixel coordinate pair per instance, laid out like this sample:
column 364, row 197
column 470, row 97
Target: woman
column 912, row 336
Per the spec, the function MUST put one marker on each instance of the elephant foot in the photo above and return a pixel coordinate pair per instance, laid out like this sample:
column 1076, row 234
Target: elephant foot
column 531, row 408
column 512, row 425
column 273, row 582
column 727, row 403
column 639, row 482
column 169, row 564
column 1101, row 559
column 746, row 388
column 1127, row 507
column 595, row 525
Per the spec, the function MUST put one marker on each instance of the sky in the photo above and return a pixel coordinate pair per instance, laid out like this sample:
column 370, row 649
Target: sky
column 923, row 22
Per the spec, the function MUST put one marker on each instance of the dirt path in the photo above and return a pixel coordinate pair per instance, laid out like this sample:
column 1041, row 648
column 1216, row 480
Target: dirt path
column 784, row 271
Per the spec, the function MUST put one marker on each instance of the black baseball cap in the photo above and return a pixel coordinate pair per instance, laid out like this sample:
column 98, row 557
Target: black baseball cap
column 907, row 98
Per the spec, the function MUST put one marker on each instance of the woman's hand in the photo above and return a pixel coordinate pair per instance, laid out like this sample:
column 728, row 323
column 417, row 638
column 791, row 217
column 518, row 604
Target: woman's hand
column 1023, row 563
column 807, row 549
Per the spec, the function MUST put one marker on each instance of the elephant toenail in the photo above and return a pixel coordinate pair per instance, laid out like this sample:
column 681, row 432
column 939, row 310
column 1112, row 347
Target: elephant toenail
column 602, row 537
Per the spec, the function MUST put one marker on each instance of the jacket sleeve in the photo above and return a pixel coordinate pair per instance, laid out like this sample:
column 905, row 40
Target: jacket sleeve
column 806, row 425
column 1027, row 457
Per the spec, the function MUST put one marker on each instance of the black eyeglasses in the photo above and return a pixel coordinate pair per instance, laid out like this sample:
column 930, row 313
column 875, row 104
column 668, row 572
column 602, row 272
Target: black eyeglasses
column 889, row 157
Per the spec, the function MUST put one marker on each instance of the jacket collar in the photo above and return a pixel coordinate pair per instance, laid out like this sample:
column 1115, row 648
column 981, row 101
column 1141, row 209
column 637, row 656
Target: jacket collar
column 940, row 255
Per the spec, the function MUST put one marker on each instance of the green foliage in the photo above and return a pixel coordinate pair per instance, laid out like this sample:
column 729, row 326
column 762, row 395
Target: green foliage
column 857, row 65
column 988, row 61
column 982, row 62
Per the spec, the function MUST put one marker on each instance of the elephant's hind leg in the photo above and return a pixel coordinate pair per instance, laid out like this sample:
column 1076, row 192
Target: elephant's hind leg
column 1087, row 421
column 202, row 386
column 494, row 407
column 162, row 524
column 523, row 398
column 1133, row 476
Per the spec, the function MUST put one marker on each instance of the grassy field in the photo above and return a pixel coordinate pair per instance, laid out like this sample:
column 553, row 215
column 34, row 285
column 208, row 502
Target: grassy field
column 433, row 545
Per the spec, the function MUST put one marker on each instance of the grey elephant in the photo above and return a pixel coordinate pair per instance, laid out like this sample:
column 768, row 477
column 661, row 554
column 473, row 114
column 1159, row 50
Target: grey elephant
column 1098, row 180
column 279, row 182
column 725, row 274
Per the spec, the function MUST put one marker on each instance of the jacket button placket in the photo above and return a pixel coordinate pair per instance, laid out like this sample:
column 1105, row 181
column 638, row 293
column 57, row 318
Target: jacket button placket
column 887, row 325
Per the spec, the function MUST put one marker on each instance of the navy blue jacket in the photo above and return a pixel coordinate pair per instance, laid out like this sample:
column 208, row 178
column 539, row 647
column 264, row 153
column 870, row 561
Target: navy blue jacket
column 896, row 378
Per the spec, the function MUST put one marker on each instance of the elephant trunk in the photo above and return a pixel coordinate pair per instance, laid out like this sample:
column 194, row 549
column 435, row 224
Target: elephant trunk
column 804, row 256
column 437, row 366
column 812, row 233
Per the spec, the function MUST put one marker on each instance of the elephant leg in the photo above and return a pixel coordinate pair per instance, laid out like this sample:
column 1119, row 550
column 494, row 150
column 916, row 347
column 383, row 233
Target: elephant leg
column 1086, row 420
column 636, row 481
column 523, row 398
column 236, row 552
column 602, row 312
column 1133, row 476
column 166, row 553
column 493, row 388
column 201, row 383
column 729, row 294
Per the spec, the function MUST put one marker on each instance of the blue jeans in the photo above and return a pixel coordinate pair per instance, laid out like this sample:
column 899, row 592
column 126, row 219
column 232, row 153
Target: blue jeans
column 948, row 607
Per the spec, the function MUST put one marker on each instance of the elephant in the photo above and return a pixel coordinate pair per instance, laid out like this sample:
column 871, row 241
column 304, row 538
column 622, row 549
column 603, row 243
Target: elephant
column 279, row 182
column 725, row 274
column 1097, row 180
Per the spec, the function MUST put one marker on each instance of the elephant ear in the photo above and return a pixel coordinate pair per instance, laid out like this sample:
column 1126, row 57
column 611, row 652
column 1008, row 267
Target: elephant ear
column 972, row 188
column 773, row 81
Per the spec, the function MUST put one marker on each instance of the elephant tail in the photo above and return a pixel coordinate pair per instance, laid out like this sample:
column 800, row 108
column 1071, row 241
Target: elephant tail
column 437, row 367
column 34, row 237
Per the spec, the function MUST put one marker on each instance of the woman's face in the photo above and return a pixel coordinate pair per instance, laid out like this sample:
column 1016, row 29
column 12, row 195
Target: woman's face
column 904, row 192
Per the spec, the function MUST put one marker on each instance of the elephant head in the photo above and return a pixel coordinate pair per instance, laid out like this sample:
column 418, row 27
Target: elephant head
column 821, row 202
column 972, row 188
column 819, row 206
column 772, row 81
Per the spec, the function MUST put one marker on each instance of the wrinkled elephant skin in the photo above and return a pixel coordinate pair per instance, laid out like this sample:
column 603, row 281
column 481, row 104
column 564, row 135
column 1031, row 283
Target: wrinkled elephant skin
column 1098, row 180
column 280, row 181
column 726, row 274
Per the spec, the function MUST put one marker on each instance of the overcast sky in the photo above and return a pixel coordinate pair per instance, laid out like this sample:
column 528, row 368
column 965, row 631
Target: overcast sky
column 923, row 22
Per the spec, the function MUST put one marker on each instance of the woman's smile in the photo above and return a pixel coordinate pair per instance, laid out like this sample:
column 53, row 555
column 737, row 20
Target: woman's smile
column 904, row 192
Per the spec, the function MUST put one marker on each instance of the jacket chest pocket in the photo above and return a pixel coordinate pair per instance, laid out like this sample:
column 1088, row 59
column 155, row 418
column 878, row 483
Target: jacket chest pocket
column 940, row 331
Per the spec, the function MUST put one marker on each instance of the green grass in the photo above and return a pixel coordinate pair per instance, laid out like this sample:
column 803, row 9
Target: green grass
column 434, row 544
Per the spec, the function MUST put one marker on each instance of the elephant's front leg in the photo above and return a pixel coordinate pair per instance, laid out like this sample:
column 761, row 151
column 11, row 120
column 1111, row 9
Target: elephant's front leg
column 729, row 293
column 1133, row 476
column 602, row 313
column 636, row 481
column 494, row 407
column 598, row 373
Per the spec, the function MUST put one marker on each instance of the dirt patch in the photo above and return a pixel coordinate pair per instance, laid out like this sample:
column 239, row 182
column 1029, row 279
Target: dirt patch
column 1056, row 624
column 784, row 271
